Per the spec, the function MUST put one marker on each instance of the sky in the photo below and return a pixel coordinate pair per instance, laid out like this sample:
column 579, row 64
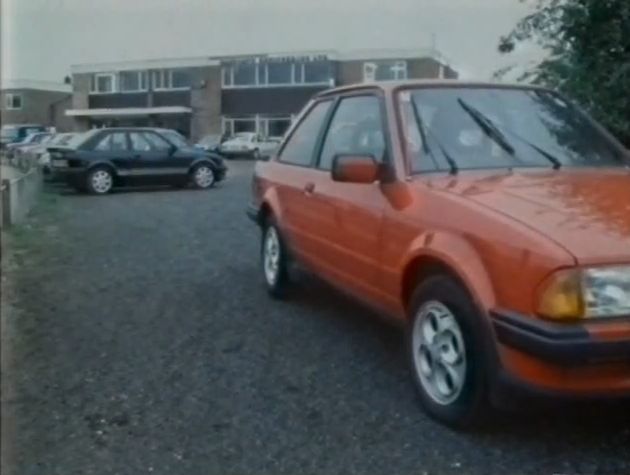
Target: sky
column 40, row 39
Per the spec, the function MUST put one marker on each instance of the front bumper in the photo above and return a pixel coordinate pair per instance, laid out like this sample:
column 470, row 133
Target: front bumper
column 565, row 344
column 564, row 360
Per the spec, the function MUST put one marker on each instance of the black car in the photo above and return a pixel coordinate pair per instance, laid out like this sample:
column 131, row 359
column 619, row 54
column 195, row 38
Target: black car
column 98, row 160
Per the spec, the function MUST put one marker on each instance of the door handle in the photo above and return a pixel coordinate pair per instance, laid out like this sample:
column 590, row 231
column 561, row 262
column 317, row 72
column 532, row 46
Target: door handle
column 309, row 188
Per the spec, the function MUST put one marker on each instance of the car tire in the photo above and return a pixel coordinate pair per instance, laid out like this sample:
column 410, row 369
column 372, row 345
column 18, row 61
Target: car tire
column 447, row 354
column 203, row 177
column 99, row 181
column 274, row 260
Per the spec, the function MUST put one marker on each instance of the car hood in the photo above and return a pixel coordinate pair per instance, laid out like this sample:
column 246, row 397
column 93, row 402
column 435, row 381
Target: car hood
column 586, row 211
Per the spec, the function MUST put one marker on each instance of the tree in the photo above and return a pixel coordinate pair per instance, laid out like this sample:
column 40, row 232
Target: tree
column 588, row 46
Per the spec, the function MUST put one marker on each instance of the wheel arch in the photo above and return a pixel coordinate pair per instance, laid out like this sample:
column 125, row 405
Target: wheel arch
column 107, row 165
column 438, row 253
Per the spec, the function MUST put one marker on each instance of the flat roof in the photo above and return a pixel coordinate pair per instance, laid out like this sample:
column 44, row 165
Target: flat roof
column 215, row 60
column 34, row 84
column 128, row 111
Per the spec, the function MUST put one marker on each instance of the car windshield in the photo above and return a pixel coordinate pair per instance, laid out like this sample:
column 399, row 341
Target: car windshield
column 477, row 128
column 9, row 132
column 175, row 138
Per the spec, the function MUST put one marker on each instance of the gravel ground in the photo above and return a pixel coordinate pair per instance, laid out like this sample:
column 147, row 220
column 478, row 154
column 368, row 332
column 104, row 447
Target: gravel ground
column 145, row 343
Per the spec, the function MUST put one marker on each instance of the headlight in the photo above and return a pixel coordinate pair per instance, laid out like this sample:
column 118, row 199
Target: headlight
column 586, row 293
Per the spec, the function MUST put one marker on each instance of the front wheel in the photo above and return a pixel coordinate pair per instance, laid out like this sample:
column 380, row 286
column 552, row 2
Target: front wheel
column 203, row 177
column 274, row 260
column 447, row 354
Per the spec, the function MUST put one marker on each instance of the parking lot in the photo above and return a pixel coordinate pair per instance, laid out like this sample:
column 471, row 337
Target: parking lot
column 144, row 342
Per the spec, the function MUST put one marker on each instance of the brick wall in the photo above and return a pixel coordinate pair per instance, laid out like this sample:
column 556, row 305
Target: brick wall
column 38, row 107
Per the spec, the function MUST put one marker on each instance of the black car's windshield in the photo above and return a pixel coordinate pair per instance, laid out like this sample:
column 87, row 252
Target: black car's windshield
column 499, row 127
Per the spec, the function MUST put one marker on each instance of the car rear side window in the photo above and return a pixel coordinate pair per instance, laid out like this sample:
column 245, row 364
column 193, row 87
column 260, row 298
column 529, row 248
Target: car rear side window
column 158, row 144
column 115, row 142
column 138, row 142
column 300, row 147
column 356, row 128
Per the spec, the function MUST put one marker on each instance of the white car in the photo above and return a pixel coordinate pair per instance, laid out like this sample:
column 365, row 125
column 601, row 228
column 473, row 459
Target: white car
column 248, row 144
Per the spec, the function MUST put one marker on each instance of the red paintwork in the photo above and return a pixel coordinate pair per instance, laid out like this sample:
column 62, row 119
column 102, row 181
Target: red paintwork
column 501, row 232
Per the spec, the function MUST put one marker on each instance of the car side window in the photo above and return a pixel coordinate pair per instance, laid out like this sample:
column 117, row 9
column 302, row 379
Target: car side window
column 356, row 128
column 115, row 141
column 301, row 144
column 157, row 143
column 139, row 143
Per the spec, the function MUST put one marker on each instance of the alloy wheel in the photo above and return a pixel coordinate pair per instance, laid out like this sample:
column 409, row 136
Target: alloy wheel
column 271, row 255
column 101, row 181
column 204, row 177
column 439, row 354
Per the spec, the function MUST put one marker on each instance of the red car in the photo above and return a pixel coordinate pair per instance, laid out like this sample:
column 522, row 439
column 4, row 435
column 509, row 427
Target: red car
column 492, row 221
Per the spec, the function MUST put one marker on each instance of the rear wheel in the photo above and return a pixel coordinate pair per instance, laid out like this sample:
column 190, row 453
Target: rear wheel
column 447, row 354
column 99, row 181
column 203, row 177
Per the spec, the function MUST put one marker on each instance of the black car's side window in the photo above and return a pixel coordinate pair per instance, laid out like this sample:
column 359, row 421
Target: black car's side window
column 356, row 128
column 157, row 143
column 114, row 142
column 299, row 149
column 139, row 143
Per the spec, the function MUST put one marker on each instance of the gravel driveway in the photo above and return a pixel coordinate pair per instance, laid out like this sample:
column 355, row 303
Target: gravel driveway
column 145, row 343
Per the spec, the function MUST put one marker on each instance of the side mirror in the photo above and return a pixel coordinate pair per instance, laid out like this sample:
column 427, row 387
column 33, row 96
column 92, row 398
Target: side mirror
column 355, row 169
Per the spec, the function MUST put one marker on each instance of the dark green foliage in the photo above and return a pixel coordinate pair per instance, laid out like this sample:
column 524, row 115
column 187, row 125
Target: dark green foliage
column 588, row 45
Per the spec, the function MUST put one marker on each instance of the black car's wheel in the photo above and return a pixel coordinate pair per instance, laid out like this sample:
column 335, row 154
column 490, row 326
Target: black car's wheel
column 99, row 181
column 203, row 177
column 447, row 354
column 274, row 260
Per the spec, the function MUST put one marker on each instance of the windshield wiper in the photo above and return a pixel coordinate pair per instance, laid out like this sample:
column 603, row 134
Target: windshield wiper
column 494, row 132
column 425, row 144
column 488, row 127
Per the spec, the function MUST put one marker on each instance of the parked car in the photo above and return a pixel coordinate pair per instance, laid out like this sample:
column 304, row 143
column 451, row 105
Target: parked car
column 210, row 143
column 14, row 149
column 248, row 144
column 13, row 133
column 492, row 221
column 39, row 153
column 100, row 159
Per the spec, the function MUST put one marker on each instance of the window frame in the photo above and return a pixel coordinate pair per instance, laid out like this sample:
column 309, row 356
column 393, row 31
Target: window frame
column 166, row 80
column 107, row 135
column 94, row 83
column 380, row 97
column 298, row 77
column 399, row 66
column 143, row 81
column 9, row 99
column 312, row 164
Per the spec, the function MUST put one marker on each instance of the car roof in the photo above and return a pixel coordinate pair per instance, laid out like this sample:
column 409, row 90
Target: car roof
column 388, row 86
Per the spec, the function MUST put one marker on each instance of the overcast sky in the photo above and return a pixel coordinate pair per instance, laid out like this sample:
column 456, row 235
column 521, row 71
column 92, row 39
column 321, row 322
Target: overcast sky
column 42, row 38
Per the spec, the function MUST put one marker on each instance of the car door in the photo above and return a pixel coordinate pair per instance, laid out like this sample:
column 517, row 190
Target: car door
column 113, row 147
column 305, row 218
column 354, row 248
column 153, row 158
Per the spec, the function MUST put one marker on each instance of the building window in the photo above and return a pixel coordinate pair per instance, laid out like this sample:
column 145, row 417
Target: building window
column 279, row 73
column 276, row 73
column 132, row 81
column 13, row 101
column 245, row 74
column 316, row 72
column 384, row 71
column 103, row 83
column 275, row 127
column 166, row 79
